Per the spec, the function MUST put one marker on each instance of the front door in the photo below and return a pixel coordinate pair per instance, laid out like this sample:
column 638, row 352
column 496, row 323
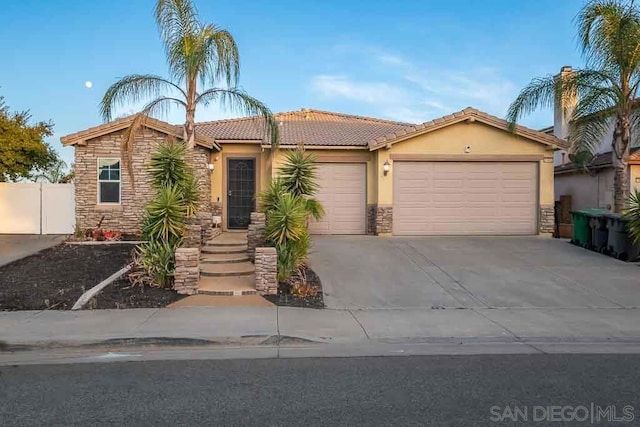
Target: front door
column 241, row 190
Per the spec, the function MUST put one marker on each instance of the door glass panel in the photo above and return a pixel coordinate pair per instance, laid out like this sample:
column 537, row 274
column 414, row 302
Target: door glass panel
column 241, row 189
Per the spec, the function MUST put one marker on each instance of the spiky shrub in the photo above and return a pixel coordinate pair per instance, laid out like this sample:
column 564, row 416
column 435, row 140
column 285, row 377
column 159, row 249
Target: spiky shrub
column 298, row 176
column 158, row 262
column 165, row 216
column 632, row 214
column 168, row 165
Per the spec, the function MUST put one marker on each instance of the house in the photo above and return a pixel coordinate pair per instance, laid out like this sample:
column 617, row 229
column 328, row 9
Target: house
column 462, row 174
column 590, row 187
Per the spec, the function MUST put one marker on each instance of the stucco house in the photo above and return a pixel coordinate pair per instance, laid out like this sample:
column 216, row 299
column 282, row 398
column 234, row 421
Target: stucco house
column 462, row 174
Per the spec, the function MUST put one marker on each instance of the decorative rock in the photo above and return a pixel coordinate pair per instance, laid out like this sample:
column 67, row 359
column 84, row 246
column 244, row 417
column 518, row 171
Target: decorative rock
column 187, row 270
column 266, row 263
column 255, row 233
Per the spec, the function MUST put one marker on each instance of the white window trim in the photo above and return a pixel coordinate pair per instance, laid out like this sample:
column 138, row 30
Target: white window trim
column 99, row 180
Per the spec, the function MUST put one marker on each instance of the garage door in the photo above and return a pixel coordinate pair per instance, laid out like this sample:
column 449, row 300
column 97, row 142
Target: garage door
column 465, row 198
column 343, row 195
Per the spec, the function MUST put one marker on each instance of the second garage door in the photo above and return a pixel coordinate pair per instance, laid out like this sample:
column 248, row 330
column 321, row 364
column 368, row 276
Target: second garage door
column 465, row 198
column 343, row 195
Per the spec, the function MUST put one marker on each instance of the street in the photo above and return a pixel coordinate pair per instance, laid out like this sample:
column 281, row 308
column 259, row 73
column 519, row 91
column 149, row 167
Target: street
column 431, row 390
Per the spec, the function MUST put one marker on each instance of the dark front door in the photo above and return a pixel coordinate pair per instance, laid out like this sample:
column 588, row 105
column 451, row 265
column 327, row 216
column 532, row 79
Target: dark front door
column 241, row 191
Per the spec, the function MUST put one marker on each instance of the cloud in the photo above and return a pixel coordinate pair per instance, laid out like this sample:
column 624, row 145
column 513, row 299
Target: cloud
column 410, row 91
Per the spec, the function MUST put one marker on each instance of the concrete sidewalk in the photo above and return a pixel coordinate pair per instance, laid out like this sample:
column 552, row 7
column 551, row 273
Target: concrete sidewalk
column 269, row 325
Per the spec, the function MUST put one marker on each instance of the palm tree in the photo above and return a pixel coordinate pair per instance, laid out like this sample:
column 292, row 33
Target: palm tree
column 606, row 89
column 56, row 173
column 204, row 67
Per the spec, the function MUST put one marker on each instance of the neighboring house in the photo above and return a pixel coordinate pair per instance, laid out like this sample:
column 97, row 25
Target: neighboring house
column 590, row 187
column 464, row 173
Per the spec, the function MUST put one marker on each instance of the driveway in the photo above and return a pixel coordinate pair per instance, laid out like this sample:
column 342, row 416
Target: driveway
column 16, row 246
column 365, row 272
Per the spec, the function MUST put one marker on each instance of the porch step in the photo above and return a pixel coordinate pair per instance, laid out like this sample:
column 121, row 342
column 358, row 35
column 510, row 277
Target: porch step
column 224, row 249
column 223, row 258
column 215, row 243
column 229, row 269
column 240, row 285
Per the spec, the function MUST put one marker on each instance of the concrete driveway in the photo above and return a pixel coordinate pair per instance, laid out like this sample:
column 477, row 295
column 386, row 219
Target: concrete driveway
column 17, row 246
column 365, row 272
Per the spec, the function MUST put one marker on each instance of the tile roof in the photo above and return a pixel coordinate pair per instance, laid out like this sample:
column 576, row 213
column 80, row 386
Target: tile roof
column 123, row 123
column 600, row 161
column 311, row 127
column 468, row 114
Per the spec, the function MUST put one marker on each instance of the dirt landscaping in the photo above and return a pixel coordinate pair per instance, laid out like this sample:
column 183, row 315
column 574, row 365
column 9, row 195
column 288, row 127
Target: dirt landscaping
column 55, row 278
column 287, row 295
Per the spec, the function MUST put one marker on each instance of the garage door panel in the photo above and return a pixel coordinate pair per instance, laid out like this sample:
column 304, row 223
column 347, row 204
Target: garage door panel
column 342, row 193
column 464, row 198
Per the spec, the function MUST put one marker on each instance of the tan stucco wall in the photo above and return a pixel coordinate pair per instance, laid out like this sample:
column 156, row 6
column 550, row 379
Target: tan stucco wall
column 452, row 140
column 634, row 173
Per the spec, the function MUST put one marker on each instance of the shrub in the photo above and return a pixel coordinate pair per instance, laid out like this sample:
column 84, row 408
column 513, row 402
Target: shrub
column 164, row 218
column 157, row 258
column 632, row 214
column 168, row 165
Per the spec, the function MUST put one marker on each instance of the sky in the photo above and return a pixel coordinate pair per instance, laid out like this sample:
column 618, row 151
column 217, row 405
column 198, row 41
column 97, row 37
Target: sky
column 403, row 60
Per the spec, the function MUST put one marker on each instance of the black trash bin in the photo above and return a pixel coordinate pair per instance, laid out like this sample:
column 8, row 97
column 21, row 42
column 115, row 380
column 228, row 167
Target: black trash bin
column 620, row 243
column 599, row 231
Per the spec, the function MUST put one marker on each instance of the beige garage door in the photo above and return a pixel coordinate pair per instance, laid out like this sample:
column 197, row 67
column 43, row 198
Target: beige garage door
column 343, row 196
column 465, row 198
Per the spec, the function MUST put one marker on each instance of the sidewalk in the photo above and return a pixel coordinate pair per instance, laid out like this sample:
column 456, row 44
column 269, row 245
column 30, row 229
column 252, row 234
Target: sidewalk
column 269, row 325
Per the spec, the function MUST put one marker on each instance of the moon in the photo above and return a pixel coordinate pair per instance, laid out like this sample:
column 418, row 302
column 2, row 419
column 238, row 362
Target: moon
column 88, row 84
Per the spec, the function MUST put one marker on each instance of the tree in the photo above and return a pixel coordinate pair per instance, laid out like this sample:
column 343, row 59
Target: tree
column 22, row 146
column 198, row 54
column 56, row 173
column 606, row 89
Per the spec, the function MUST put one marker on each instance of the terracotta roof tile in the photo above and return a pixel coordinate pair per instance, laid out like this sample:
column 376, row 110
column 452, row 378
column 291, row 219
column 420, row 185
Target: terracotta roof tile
column 311, row 127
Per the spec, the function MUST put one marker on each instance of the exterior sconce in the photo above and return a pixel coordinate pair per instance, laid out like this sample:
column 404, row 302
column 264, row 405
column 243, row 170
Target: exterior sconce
column 211, row 166
column 386, row 167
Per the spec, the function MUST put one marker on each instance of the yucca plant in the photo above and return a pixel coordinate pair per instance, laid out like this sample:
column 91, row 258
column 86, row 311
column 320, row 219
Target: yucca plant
column 165, row 216
column 287, row 221
column 632, row 214
column 298, row 175
column 157, row 258
column 292, row 255
column 168, row 165
column 191, row 190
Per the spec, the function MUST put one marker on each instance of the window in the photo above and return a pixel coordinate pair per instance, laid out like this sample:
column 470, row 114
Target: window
column 109, row 181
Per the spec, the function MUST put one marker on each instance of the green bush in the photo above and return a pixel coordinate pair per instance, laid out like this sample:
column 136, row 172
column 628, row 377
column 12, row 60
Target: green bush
column 168, row 165
column 165, row 216
column 632, row 214
column 158, row 260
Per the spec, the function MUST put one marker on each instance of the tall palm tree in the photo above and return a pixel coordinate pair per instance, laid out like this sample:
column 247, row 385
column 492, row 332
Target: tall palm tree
column 606, row 89
column 204, row 67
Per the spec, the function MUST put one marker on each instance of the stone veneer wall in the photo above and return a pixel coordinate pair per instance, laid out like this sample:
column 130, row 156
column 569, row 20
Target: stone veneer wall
column 546, row 219
column 255, row 233
column 127, row 215
column 266, row 262
column 187, row 271
column 384, row 219
column 371, row 219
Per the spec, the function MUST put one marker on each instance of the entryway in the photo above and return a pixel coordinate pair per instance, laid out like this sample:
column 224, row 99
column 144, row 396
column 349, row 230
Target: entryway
column 241, row 192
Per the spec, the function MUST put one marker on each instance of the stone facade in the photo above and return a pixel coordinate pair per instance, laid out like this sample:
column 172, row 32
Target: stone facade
column 546, row 219
column 136, row 193
column 384, row 220
column 255, row 233
column 371, row 219
column 266, row 262
column 187, row 271
column 192, row 237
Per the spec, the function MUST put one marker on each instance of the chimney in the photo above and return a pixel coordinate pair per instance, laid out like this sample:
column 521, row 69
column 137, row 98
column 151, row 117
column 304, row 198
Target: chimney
column 563, row 108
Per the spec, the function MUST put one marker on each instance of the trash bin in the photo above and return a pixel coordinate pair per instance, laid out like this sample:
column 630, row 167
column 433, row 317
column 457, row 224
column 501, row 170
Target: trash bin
column 599, row 231
column 620, row 243
column 581, row 228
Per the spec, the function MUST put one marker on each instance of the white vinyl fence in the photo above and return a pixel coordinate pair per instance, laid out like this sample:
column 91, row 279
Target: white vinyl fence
column 36, row 208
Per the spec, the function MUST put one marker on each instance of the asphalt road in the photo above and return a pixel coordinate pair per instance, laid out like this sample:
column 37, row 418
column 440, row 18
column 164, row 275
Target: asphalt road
column 431, row 390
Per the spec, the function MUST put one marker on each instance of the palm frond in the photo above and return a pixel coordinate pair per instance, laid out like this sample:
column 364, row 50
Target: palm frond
column 239, row 101
column 632, row 214
column 133, row 89
column 221, row 56
column 539, row 93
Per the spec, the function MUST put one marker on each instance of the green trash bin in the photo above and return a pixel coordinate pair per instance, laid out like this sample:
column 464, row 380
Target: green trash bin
column 620, row 243
column 581, row 229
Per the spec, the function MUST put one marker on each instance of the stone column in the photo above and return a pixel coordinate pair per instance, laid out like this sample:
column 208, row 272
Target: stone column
column 255, row 233
column 192, row 237
column 384, row 220
column 187, row 271
column 546, row 219
column 266, row 260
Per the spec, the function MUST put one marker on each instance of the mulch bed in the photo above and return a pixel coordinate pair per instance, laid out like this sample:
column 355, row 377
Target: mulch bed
column 56, row 277
column 121, row 294
column 284, row 297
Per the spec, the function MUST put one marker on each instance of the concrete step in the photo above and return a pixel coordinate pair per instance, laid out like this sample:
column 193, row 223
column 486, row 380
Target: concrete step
column 223, row 258
column 239, row 285
column 216, row 243
column 225, row 270
column 226, row 249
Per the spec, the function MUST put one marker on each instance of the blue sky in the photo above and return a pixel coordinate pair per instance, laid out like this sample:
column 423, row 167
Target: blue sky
column 403, row 60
